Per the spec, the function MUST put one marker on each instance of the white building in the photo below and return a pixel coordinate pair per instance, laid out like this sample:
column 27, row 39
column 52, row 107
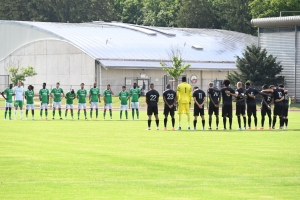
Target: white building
column 115, row 53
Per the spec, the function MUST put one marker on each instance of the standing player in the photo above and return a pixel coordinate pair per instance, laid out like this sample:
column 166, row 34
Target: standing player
column 44, row 98
column 70, row 96
column 266, row 108
column 81, row 96
column 29, row 95
column 240, row 104
column 57, row 94
column 135, row 94
column 94, row 98
column 214, row 99
column 107, row 96
column 8, row 92
column 285, row 108
column 124, row 96
column 199, row 101
column 169, row 99
column 152, row 98
column 184, row 99
column 19, row 98
column 251, row 105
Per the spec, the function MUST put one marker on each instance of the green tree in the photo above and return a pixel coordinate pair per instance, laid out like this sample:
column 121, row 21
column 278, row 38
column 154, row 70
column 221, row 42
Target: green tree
column 257, row 67
column 20, row 74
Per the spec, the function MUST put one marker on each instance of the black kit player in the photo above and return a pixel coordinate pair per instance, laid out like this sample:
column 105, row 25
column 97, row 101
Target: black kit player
column 266, row 108
column 213, row 108
column 285, row 108
column 152, row 98
column 199, row 101
column 170, row 99
column 240, row 104
column 251, row 104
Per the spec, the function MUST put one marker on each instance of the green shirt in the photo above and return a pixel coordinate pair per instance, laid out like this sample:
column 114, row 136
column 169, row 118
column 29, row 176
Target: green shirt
column 29, row 94
column 44, row 95
column 8, row 93
column 81, row 95
column 124, row 97
column 135, row 94
column 70, row 97
column 57, row 94
column 94, row 92
column 107, row 96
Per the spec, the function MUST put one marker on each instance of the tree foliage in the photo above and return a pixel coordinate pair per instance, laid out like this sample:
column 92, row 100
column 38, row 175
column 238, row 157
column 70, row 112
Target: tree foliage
column 257, row 67
column 177, row 67
column 20, row 74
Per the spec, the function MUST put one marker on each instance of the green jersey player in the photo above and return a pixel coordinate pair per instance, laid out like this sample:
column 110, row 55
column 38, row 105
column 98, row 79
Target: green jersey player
column 29, row 95
column 44, row 98
column 124, row 96
column 107, row 96
column 94, row 98
column 81, row 95
column 8, row 92
column 57, row 94
column 135, row 94
column 70, row 96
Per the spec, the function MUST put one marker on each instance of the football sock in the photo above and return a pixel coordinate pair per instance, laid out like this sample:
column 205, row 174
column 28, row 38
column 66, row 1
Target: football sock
column 9, row 113
column 249, row 121
column 157, row 122
column 209, row 121
column 59, row 112
column 262, row 121
column 32, row 112
column 126, row 114
column 41, row 113
column 96, row 113
column 224, row 122
column 165, row 122
column 203, row 123
column 91, row 113
column 46, row 112
column 189, row 119
column 15, row 113
column 217, row 121
column 53, row 113
column 137, row 113
column 195, row 123
column 270, row 120
column 120, row 114
column 255, row 121
column 239, row 121
column 281, row 122
column 21, row 113
column 179, row 119
column 66, row 114
column 274, row 121
column 104, row 114
column 78, row 113
column 230, row 122
column 132, row 113
column 26, row 113
column 72, row 114
column 110, row 113
column 173, row 122
column 5, row 113
column 286, row 121
column 149, row 123
column 244, row 118
column 84, row 114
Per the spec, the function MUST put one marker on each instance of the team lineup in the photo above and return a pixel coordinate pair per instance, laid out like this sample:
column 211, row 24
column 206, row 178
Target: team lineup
column 181, row 99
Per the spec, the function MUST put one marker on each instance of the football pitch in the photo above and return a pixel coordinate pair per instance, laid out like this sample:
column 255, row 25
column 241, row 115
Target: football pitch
column 115, row 159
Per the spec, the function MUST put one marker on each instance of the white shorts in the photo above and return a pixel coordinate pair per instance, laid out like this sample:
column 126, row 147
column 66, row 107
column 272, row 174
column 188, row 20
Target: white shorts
column 94, row 105
column 135, row 105
column 44, row 106
column 29, row 106
column 81, row 105
column 108, row 106
column 8, row 105
column 124, row 107
column 56, row 104
column 71, row 106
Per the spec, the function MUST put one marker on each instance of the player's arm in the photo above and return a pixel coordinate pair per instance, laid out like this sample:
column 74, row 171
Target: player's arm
column 264, row 101
column 230, row 93
column 157, row 100
column 147, row 99
column 165, row 101
column 267, row 90
column 90, row 95
column 112, row 92
column 286, row 91
column 272, row 101
column 99, row 97
column 281, row 99
column 204, row 100
column 2, row 93
column 210, row 99
column 104, row 98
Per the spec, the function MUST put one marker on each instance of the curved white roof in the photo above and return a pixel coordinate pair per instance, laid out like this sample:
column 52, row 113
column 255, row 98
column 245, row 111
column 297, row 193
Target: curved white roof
column 276, row 21
column 118, row 41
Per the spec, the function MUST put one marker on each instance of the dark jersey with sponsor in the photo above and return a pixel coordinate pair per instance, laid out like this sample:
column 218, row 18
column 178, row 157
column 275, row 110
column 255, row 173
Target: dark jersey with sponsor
column 152, row 97
column 286, row 99
column 268, row 99
column 252, row 92
column 278, row 94
column 170, row 96
column 241, row 98
column 227, row 98
column 199, row 96
column 214, row 96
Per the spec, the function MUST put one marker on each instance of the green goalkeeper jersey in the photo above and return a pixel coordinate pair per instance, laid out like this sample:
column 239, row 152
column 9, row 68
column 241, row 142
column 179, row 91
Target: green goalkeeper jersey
column 82, row 96
column 124, row 97
column 107, row 96
column 70, row 97
column 9, row 93
column 29, row 94
column 135, row 92
column 57, row 94
column 44, row 95
column 94, row 92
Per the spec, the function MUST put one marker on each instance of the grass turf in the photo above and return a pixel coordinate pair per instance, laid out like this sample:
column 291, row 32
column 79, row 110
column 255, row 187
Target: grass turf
column 115, row 159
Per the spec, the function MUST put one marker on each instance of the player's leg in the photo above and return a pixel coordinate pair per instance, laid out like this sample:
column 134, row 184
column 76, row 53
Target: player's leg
column 238, row 115
column 179, row 115
column 230, row 116
column 216, row 111
column 166, row 113
column 224, row 115
column 84, row 110
column 187, row 109
column 6, row 111
column 32, row 111
column 26, row 112
column 195, row 122
column 121, row 109
column 104, row 112
column 110, row 113
column 270, row 118
column 202, row 117
column 285, row 114
column 59, row 109
column 78, row 113
column 91, row 111
column 41, row 110
column 155, row 111
column 196, row 114
column 249, row 114
column 66, row 112
column 21, row 109
column 255, row 117
column 263, row 114
column 149, row 113
column 53, row 111
column 210, row 111
column 9, row 111
column 16, row 104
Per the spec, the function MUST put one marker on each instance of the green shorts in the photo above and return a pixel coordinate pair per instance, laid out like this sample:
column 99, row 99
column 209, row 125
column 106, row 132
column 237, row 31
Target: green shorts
column 18, row 103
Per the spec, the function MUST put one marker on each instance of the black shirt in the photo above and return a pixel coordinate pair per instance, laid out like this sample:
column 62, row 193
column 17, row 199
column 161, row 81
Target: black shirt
column 252, row 92
column 152, row 97
column 199, row 95
column 268, row 99
column 227, row 98
column 286, row 99
column 242, row 93
column 214, row 96
column 278, row 94
column 170, row 96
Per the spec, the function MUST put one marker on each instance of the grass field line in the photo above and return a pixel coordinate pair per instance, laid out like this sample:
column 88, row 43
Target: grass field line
column 155, row 180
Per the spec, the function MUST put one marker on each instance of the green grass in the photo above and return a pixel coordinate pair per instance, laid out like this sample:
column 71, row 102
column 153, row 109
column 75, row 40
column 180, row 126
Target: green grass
column 115, row 159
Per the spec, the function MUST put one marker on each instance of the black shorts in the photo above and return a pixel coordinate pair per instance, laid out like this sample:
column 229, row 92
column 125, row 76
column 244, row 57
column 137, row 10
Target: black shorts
column 227, row 111
column 251, row 110
column 265, row 110
column 240, row 110
column 168, row 110
column 278, row 110
column 198, row 111
column 212, row 109
column 285, row 110
column 152, row 110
